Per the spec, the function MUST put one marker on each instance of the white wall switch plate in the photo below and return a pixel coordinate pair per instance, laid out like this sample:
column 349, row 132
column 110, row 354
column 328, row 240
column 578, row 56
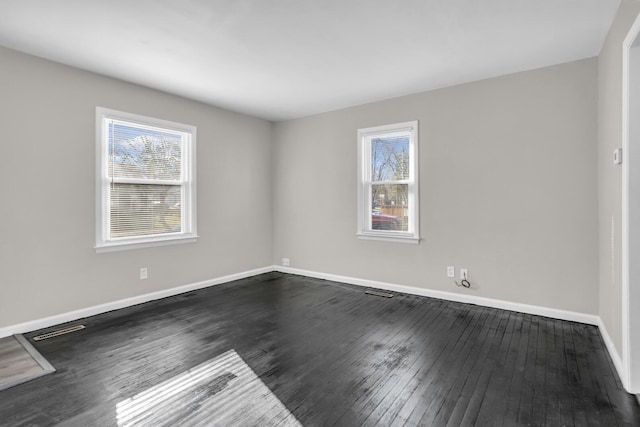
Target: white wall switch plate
column 617, row 156
column 451, row 271
column 285, row 262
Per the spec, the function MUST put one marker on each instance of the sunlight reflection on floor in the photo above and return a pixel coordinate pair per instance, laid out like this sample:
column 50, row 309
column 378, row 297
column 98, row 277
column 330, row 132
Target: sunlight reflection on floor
column 220, row 391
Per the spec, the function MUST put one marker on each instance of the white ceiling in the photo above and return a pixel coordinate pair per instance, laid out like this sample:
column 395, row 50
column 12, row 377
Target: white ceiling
column 282, row 59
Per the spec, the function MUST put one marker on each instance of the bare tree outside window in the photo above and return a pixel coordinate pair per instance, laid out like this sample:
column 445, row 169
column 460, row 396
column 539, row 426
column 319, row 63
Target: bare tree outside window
column 389, row 196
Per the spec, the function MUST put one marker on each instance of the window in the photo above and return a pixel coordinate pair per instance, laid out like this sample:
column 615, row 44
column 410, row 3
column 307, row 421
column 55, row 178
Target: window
column 388, row 182
column 145, row 181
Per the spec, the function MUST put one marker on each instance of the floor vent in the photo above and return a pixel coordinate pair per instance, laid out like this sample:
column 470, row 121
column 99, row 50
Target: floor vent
column 58, row 332
column 378, row 293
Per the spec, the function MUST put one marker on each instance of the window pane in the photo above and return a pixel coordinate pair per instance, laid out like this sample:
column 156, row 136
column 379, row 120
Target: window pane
column 138, row 210
column 136, row 152
column 390, row 207
column 390, row 158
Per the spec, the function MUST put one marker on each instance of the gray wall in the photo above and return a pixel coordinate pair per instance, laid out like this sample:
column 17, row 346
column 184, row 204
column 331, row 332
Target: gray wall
column 508, row 171
column 610, row 176
column 508, row 189
column 48, row 264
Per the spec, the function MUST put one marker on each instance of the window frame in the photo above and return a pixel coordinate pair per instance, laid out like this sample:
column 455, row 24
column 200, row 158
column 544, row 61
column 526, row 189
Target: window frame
column 104, row 243
column 365, row 182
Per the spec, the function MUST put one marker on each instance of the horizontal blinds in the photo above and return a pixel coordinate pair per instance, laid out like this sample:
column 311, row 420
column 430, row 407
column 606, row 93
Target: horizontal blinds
column 143, row 209
column 138, row 154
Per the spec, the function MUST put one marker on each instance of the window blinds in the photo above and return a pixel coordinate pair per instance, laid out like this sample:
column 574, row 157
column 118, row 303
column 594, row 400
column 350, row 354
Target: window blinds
column 145, row 178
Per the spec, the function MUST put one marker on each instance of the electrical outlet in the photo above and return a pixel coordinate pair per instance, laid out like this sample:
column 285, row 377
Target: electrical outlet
column 464, row 273
column 451, row 271
column 285, row 262
column 144, row 274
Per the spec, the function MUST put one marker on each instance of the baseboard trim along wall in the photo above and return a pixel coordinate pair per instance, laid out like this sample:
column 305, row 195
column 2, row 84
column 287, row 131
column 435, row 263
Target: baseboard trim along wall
column 57, row 319
column 589, row 319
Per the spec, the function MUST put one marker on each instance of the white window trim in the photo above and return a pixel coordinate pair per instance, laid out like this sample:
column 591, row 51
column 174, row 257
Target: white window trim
column 102, row 202
column 364, row 177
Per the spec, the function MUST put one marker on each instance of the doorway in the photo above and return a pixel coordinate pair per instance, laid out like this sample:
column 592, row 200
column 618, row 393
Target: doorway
column 631, row 209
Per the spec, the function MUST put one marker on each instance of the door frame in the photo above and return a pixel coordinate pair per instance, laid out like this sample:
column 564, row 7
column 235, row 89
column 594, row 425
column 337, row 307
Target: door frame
column 630, row 285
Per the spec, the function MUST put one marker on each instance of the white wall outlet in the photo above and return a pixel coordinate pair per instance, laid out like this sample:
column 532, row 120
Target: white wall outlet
column 451, row 271
column 285, row 262
column 144, row 273
column 464, row 273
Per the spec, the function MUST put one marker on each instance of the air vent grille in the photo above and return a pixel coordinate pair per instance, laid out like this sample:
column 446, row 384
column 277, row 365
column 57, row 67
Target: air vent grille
column 378, row 293
column 58, row 332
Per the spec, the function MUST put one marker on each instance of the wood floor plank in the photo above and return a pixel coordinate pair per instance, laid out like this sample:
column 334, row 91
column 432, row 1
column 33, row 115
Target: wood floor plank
column 538, row 380
column 367, row 403
column 610, row 385
column 335, row 359
column 578, row 404
column 332, row 356
column 467, row 376
column 467, row 408
column 514, row 401
column 588, row 386
column 525, row 410
column 564, row 399
column 495, row 395
column 433, row 396
column 394, row 397
column 443, row 347
column 374, row 357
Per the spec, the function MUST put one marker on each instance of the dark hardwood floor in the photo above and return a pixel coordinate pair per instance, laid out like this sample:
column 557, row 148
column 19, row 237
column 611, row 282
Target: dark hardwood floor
column 335, row 356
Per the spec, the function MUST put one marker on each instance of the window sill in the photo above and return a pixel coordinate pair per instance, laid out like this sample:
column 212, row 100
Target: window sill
column 144, row 243
column 389, row 238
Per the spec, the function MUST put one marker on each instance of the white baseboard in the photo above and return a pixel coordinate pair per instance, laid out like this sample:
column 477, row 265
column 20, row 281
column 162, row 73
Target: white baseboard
column 589, row 319
column 554, row 313
column 57, row 319
column 613, row 352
